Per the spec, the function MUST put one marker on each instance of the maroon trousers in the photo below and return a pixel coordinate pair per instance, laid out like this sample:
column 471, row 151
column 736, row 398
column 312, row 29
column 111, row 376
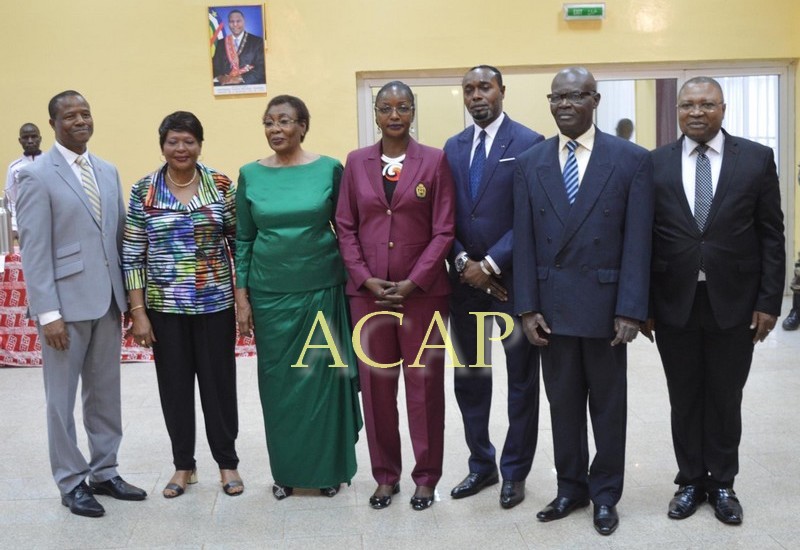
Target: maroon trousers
column 386, row 339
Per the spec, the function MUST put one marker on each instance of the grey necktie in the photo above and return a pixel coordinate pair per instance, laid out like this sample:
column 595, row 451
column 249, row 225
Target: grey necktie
column 703, row 188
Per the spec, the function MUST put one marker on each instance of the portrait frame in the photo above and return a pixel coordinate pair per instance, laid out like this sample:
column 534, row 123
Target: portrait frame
column 237, row 48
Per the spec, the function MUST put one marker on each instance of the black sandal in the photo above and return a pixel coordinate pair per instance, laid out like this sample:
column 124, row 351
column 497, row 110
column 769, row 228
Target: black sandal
column 331, row 491
column 280, row 492
column 379, row 503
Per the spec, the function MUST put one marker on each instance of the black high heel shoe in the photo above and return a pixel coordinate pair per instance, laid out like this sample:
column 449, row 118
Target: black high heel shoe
column 422, row 503
column 329, row 492
column 280, row 492
column 380, row 503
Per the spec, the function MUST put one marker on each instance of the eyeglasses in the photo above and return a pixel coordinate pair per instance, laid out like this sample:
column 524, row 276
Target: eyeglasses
column 283, row 123
column 706, row 107
column 571, row 97
column 401, row 110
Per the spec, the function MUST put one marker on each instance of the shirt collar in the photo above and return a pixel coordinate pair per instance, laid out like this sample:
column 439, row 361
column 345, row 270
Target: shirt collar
column 714, row 144
column 491, row 129
column 71, row 156
column 585, row 140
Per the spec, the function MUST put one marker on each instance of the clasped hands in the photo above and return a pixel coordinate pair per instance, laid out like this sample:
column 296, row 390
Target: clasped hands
column 475, row 277
column 537, row 330
column 389, row 294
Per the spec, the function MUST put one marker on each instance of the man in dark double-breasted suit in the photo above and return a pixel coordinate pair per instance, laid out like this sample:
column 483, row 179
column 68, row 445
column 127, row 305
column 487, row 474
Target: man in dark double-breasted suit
column 716, row 286
column 583, row 211
column 481, row 276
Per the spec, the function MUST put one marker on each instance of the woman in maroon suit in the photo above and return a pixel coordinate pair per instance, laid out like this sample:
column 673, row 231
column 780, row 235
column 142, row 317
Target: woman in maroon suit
column 395, row 219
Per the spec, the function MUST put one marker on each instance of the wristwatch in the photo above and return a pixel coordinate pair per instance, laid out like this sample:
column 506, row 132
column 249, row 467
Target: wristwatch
column 461, row 262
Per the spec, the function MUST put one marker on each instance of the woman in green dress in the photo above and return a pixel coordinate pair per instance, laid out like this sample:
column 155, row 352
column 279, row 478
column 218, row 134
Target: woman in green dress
column 288, row 269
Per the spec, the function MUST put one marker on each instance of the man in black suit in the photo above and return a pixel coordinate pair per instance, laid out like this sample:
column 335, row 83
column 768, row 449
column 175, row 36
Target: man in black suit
column 716, row 289
column 583, row 215
column 239, row 59
column 483, row 158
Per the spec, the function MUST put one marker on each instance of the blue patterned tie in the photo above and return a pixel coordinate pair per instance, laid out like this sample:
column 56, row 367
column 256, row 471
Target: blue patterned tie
column 478, row 162
column 571, row 172
column 703, row 189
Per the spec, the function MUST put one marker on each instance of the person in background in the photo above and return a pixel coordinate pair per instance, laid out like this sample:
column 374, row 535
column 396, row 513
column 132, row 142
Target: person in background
column 176, row 257
column 624, row 129
column 71, row 216
column 289, row 275
column 482, row 159
column 716, row 289
column 792, row 320
column 31, row 140
column 396, row 227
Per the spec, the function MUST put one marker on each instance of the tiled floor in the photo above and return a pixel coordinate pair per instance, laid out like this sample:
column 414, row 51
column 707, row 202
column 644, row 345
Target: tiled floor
column 31, row 515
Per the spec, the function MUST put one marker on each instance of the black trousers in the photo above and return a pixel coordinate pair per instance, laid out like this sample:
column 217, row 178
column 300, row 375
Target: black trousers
column 706, row 369
column 201, row 346
column 473, row 387
column 576, row 371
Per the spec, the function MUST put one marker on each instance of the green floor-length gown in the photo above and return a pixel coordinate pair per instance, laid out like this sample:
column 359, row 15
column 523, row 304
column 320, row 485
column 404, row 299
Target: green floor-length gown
column 288, row 259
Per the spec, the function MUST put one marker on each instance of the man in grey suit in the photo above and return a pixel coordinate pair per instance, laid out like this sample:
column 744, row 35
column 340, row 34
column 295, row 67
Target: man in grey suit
column 71, row 216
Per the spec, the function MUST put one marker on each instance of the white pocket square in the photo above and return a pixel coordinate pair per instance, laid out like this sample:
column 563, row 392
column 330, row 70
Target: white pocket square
column 508, row 159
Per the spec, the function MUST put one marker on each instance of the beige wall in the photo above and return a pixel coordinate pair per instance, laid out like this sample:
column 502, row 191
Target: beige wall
column 137, row 60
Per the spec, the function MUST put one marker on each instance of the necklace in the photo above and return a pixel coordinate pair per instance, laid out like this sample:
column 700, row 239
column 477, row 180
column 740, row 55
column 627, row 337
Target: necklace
column 393, row 167
column 187, row 184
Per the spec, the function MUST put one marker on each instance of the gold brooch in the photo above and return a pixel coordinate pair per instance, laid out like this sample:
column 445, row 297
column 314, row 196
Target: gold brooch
column 422, row 191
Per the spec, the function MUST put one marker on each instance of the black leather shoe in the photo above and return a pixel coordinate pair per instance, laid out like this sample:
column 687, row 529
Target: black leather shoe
column 117, row 488
column 685, row 501
column 379, row 503
column 512, row 493
column 81, row 502
column 560, row 507
column 473, row 483
column 280, row 492
column 792, row 320
column 421, row 503
column 606, row 519
column 726, row 506
column 331, row 491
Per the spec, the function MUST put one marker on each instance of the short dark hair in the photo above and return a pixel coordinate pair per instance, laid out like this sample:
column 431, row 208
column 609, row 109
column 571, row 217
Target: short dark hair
column 180, row 121
column 395, row 84
column 31, row 124
column 703, row 80
column 235, row 11
column 52, row 107
column 297, row 104
column 497, row 74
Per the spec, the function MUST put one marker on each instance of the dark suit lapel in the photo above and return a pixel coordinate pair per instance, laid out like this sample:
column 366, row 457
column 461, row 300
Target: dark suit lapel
column 675, row 182
column 592, row 184
column 501, row 141
column 372, row 167
column 408, row 176
column 464, row 152
column 549, row 174
column 729, row 158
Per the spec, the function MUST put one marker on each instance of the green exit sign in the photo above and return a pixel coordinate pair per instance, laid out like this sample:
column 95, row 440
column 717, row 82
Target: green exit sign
column 584, row 11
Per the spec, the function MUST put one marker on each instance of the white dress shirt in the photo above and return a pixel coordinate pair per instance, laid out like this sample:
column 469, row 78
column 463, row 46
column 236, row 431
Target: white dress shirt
column 582, row 153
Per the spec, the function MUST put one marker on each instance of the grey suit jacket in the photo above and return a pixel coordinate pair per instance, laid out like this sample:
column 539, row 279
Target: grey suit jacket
column 71, row 263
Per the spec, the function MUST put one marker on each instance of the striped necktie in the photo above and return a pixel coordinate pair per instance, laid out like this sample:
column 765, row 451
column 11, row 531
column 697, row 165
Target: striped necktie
column 90, row 187
column 703, row 188
column 571, row 172
column 478, row 163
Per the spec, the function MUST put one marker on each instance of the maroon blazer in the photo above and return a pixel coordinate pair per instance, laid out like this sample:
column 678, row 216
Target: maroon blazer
column 407, row 239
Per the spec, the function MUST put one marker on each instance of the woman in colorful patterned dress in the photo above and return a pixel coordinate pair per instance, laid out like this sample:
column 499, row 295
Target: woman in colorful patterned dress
column 179, row 237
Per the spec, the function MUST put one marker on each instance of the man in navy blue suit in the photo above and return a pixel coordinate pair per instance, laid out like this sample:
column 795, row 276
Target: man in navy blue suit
column 583, row 215
column 482, row 159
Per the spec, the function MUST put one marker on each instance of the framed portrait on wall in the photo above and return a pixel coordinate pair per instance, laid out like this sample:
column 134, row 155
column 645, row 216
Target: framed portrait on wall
column 237, row 49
